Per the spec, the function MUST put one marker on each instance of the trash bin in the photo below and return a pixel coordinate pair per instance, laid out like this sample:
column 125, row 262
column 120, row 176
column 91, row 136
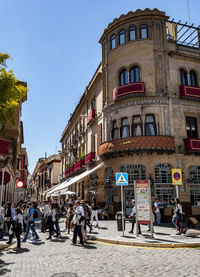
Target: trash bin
column 119, row 221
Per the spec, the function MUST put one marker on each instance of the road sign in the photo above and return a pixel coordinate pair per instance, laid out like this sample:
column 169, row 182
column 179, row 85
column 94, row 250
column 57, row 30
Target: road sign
column 121, row 179
column 19, row 189
column 177, row 177
column 19, row 184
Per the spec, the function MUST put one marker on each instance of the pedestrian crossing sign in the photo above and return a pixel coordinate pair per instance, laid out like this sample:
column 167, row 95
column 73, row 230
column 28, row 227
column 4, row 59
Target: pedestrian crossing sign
column 121, row 179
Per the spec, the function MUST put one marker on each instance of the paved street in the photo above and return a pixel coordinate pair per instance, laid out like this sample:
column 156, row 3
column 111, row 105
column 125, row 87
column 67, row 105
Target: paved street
column 51, row 258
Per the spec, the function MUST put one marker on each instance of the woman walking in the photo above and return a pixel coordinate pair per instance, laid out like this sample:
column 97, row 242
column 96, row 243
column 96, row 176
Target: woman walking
column 8, row 216
column 16, row 228
column 51, row 221
column 94, row 212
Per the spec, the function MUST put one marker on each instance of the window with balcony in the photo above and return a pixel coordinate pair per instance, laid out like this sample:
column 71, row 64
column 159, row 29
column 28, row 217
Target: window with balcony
column 143, row 31
column 191, row 127
column 122, row 37
column 192, row 79
column 194, row 180
column 115, row 130
column 113, row 42
column 125, row 128
column 183, row 77
column 150, row 125
column 137, row 126
column 163, row 182
column 132, row 33
column 123, row 79
column 134, row 74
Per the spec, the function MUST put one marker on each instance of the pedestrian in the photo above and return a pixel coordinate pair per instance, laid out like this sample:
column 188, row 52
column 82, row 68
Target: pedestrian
column 94, row 212
column 157, row 212
column 162, row 206
column 16, row 228
column 178, row 216
column 88, row 216
column 58, row 216
column 69, row 217
column 77, row 219
column 30, row 223
column 8, row 216
column 51, row 221
column 2, row 218
column 133, row 217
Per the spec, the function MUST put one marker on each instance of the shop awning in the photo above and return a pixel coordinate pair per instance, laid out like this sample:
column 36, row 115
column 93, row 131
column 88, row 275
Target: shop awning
column 70, row 182
column 6, row 177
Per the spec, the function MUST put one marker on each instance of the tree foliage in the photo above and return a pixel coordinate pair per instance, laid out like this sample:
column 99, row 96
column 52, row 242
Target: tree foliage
column 12, row 91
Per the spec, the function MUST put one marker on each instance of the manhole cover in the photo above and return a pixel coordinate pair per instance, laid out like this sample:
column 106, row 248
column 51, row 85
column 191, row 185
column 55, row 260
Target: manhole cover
column 65, row 274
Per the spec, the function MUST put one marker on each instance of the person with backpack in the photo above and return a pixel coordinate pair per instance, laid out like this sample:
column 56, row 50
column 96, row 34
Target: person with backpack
column 16, row 227
column 30, row 223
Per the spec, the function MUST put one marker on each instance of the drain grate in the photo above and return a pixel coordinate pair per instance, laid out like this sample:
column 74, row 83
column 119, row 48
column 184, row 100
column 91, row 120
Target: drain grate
column 65, row 274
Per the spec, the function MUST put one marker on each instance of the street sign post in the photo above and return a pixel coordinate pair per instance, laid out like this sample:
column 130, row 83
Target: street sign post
column 177, row 179
column 122, row 180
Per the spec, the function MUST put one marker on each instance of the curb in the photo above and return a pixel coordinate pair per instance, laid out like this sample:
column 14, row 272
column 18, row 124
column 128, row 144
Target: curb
column 150, row 245
column 4, row 246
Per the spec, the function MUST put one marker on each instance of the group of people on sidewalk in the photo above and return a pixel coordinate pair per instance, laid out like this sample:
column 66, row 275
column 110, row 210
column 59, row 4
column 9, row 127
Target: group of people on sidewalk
column 157, row 215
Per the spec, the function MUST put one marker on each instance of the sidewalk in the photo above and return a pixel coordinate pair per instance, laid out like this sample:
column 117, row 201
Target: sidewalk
column 164, row 236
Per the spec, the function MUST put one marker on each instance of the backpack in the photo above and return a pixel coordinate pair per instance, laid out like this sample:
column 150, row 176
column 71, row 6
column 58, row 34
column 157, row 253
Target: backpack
column 35, row 215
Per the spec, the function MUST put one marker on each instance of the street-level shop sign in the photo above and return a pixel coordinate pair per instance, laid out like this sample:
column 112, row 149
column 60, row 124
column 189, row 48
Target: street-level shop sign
column 143, row 201
column 177, row 177
column 19, row 184
column 121, row 179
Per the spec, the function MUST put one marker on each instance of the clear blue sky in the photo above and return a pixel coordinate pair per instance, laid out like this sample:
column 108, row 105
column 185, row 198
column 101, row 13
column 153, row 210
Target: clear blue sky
column 54, row 48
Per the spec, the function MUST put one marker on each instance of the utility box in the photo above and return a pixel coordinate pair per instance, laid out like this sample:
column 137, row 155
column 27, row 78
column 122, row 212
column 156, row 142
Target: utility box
column 119, row 221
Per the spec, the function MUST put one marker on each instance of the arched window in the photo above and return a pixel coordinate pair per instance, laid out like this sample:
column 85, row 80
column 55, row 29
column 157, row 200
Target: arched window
column 192, row 79
column 132, row 33
column 150, row 126
column 122, row 37
column 115, row 131
column 163, row 182
column 134, row 74
column 137, row 126
column 108, row 176
column 135, row 172
column 143, row 31
column 113, row 42
column 123, row 77
column 183, row 77
column 125, row 129
column 194, row 180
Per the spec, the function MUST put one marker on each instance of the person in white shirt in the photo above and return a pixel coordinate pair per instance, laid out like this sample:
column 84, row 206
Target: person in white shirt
column 51, row 221
column 77, row 219
column 16, row 228
column 133, row 216
column 2, row 218
column 157, row 212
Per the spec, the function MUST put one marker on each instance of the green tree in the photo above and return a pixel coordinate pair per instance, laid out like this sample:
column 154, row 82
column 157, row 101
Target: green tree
column 12, row 91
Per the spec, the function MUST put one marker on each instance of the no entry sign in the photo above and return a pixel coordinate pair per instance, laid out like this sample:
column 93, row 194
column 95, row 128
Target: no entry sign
column 19, row 184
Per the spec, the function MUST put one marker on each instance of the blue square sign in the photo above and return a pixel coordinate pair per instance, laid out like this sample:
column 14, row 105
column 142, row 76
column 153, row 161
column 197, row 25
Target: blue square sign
column 121, row 179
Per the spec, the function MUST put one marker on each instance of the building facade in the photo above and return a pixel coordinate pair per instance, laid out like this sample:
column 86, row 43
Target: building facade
column 45, row 176
column 139, row 114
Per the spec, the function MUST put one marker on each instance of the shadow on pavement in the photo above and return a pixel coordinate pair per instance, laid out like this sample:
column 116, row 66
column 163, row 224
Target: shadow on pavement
column 3, row 270
column 19, row 251
column 103, row 228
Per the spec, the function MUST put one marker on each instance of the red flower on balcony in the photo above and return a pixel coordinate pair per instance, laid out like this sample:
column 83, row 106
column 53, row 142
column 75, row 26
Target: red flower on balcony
column 91, row 116
column 133, row 89
column 190, row 92
column 90, row 157
column 67, row 171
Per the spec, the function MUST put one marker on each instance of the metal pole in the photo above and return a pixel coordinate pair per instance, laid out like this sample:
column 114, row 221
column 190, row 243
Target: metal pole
column 122, row 201
column 2, row 182
column 177, row 192
column 136, row 215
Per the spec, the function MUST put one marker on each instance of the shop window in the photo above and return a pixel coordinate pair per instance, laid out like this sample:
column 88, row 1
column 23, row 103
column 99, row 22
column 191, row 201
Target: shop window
column 123, row 77
column 125, row 129
column 135, row 172
column 143, row 31
column 191, row 127
column 122, row 37
column 108, row 176
column 150, row 126
column 115, row 130
column 194, row 180
column 132, row 33
column 135, row 74
column 137, row 126
column 192, row 79
column 183, row 77
column 113, row 42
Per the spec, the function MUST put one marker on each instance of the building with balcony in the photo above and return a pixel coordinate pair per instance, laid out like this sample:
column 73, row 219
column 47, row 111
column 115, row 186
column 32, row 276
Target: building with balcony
column 139, row 114
column 45, row 176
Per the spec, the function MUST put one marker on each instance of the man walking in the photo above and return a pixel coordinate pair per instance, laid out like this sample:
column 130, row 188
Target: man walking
column 30, row 223
column 157, row 212
column 77, row 219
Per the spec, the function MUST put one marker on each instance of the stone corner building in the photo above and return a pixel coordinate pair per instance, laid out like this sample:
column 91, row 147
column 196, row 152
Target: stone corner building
column 139, row 114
